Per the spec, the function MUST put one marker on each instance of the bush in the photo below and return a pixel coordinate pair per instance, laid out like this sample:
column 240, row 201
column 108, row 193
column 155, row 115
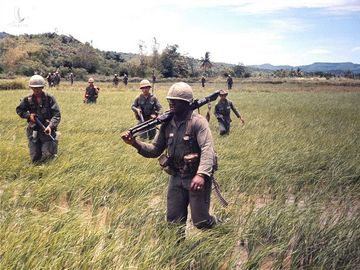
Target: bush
column 11, row 85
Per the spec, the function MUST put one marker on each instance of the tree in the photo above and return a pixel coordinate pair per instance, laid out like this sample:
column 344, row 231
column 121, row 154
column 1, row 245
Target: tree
column 239, row 70
column 173, row 64
column 206, row 63
column 155, row 58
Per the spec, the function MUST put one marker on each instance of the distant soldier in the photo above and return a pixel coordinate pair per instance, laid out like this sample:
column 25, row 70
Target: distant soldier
column 203, row 80
column 222, row 113
column 125, row 79
column 116, row 80
column 153, row 81
column 71, row 77
column 43, row 115
column 229, row 81
column 57, row 78
column 91, row 92
column 146, row 106
column 49, row 79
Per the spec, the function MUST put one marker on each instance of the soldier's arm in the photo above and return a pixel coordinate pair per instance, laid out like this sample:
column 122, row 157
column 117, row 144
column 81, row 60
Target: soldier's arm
column 158, row 106
column 205, row 142
column 154, row 149
column 55, row 112
column 216, row 111
column 23, row 110
column 135, row 105
column 237, row 113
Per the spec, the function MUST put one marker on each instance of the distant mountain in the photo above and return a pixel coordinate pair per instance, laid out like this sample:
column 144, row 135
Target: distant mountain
column 4, row 35
column 315, row 67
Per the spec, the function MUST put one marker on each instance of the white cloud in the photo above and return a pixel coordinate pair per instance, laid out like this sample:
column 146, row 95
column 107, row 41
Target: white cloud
column 355, row 49
column 319, row 51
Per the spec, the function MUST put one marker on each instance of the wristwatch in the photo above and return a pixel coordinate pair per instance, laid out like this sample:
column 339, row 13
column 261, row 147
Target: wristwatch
column 201, row 175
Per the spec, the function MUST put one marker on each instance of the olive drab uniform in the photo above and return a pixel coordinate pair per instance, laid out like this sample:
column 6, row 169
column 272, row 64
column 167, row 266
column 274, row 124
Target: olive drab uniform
column 222, row 113
column 91, row 94
column 229, row 81
column 41, row 145
column 189, row 151
column 148, row 105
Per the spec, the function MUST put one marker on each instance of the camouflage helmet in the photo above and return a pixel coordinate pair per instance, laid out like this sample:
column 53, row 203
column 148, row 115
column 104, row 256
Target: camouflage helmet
column 91, row 80
column 180, row 91
column 223, row 92
column 37, row 81
column 145, row 83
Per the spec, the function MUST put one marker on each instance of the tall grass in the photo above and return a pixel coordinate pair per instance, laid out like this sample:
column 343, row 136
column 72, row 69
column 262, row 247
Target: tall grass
column 291, row 175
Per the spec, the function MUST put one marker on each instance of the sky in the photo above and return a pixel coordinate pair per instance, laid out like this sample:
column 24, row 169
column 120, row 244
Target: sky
column 279, row 32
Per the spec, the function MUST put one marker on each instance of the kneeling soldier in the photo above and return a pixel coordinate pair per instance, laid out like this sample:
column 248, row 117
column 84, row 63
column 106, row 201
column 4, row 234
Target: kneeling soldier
column 43, row 115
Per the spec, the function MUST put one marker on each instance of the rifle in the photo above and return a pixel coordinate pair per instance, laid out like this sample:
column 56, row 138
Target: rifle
column 41, row 125
column 139, row 116
column 167, row 116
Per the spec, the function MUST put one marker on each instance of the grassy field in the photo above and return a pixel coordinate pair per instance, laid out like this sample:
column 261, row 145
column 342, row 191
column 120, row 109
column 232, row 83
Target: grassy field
column 291, row 175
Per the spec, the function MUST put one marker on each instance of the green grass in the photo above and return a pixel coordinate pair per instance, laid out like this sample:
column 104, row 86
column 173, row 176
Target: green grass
column 291, row 175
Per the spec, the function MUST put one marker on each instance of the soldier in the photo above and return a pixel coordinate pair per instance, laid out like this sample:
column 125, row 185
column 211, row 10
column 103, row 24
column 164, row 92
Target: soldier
column 57, row 78
column 125, row 79
column 91, row 92
column 146, row 106
column 116, row 80
column 189, row 159
column 71, row 77
column 229, row 81
column 203, row 80
column 222, row 113
column 40, row 106
column 49, row 79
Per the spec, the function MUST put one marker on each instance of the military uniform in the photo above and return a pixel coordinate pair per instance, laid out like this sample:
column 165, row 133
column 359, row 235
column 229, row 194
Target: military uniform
column 222, row 113
column 203, row 80
column 191, row 135
column 116, row 81
column 148, row 105
column 229, row 82
column 47, row 110
column 91, row 94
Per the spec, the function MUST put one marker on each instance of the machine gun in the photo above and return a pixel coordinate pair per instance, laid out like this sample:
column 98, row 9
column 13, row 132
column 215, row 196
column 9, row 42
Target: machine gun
column 167, row 116
column 41, row 125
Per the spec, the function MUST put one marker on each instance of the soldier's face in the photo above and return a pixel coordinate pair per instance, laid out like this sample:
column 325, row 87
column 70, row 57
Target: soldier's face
column 178, row 106
column 37, row 90
column 145, row 90
column 222, row 97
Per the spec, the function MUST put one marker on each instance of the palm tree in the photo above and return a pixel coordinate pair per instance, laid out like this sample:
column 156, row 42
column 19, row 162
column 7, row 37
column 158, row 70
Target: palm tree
column 205, row 62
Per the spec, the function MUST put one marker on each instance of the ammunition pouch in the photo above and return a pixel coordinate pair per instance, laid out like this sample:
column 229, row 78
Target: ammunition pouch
column 164, row 162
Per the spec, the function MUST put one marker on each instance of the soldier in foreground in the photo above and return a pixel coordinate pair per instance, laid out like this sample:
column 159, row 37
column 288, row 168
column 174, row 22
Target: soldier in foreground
column 43, row 115
column 145, row 107
column 91, row 92
column 189, row 159
column 222, row 113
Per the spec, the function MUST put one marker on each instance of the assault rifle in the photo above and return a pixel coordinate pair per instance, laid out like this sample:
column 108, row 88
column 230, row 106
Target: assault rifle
column 167, row 116
column 41, row 125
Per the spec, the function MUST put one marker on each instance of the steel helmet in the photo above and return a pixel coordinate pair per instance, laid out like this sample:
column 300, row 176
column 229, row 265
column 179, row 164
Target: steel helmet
column 37, row 81
column 180, row 91
column 145, row 83
column 223, row 92
column 91, row 80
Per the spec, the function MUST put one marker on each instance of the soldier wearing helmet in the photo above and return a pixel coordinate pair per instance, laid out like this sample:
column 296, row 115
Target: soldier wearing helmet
column 222, row 113
column 125, row 79
column 43, row 107
column 229, row 81
column 189, row 159
column 203, row 80
column 91, row 92
column 116, row 80
column 146, row 106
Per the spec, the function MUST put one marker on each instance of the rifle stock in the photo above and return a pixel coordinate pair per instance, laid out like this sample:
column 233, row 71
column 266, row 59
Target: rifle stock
column 167, row 116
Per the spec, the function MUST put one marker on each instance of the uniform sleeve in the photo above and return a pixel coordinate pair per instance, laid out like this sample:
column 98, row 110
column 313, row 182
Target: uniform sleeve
column 135, row 104
column 205, row 142
column 158, row 106
column 154, row 149
column 216, row 111
column 55, row 112
column 237, row 113
column 23, row 110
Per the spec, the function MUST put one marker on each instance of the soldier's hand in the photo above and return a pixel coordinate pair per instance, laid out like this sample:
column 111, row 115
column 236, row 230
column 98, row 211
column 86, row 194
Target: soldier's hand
column 242, row 120
column 153, row 116
column 128, row 138
column 47, row 130
column 197, row 183
column 32, row 117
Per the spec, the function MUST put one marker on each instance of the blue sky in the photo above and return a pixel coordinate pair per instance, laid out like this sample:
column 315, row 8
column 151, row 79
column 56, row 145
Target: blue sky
column 292, row 32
